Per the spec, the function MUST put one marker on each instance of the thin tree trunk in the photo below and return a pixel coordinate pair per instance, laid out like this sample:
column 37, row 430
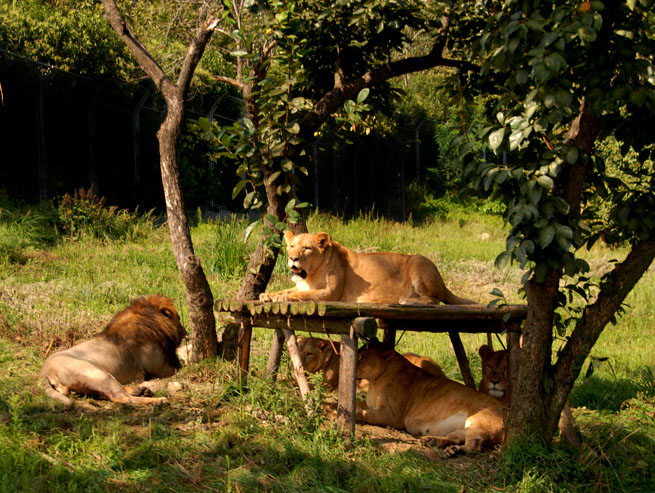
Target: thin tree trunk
column 199, row 296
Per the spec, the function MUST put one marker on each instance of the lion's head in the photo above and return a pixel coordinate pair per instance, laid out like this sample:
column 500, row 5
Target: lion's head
column 306, row 252
column 373, row 359
column 494, row 372
column 315, row 353
column 150, row 318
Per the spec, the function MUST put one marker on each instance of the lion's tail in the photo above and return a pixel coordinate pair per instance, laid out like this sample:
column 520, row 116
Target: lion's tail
column 453, row 299
column 55, row 394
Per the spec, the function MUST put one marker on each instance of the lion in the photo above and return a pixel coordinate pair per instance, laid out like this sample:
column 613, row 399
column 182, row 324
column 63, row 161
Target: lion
column 138, row 344
column 319, row 355
column 494, row 372
column 495, row 382
column 323, row 270
column 446, row 413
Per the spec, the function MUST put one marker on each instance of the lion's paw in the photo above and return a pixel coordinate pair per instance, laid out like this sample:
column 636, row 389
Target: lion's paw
column 451, row 451
column 265, row 297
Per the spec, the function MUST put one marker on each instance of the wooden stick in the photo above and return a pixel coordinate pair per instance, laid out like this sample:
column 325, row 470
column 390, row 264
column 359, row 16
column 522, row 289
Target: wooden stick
column 243, row 350
column 275, row 354
column 462, row 358
column 347, row 380
column 296, row 364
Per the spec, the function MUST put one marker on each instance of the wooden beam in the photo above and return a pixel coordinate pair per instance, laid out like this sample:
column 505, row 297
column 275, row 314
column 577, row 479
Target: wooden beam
column 275, row 354
column 462, row 359
column 347, row 381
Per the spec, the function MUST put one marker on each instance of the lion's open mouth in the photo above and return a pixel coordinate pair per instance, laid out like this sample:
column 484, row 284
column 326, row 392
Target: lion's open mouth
column 297, row 271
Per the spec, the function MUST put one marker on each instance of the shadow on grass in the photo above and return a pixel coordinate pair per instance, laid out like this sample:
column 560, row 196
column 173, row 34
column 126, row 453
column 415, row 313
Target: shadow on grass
column 609, row 394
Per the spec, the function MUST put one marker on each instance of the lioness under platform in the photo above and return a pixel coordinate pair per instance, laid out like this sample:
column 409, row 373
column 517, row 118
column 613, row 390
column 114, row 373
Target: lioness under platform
column 446, row 413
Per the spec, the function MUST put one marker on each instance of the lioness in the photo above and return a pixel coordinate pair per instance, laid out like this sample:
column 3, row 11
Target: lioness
column 323, row 270
column 495, row 382
column 138, row 344
column 494, row 372
column 446, row 413
column 319, row 355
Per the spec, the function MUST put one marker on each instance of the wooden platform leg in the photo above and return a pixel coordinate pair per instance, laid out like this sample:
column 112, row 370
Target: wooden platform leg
column 275, row 354
column 243, row 351
column 389, row 333
column 347, row 381
column 296, row 364
column 462, row 359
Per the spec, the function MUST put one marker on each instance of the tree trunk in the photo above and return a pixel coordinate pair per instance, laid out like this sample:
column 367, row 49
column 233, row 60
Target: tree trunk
column 199, row 295
column 527, row 413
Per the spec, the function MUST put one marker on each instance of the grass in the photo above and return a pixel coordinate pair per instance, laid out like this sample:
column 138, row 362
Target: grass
column 56, row 290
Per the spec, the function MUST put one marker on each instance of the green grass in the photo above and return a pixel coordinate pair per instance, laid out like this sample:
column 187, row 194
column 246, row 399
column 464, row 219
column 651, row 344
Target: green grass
column 56, row 290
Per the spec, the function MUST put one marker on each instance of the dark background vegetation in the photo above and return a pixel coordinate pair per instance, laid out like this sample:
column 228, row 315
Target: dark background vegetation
column 78, row 113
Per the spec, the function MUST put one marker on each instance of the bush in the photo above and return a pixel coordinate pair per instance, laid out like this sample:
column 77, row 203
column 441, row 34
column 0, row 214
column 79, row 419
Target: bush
column 84, row 214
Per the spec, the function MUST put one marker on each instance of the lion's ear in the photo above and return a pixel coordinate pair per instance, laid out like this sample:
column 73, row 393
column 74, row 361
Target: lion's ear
column 323, row 240
column 485, row 352
column 288, row 236
column 167, row 312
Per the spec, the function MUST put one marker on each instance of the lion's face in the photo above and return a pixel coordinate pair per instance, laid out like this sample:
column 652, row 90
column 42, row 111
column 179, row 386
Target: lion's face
column 315, row 353
column 306, row 252
column 372, row 360
column 494, row 372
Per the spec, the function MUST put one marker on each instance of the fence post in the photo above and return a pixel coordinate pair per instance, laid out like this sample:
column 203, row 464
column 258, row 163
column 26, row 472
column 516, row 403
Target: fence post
column 417, row 148
column 91, row 113
column 136, row 129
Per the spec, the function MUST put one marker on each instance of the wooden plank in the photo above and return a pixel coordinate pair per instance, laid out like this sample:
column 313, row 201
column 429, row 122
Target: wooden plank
column 243, row 350
column 275, row 354
column 347, row 380
column 462, row 359
column 397, row 311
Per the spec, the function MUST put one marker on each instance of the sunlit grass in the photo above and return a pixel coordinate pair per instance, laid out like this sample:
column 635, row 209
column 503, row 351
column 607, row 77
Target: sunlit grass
column 216, row 437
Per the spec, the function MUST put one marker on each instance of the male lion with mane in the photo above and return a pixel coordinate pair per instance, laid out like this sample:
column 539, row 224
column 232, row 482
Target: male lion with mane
column 324, row 270
column 138, row 344
column 446, row 413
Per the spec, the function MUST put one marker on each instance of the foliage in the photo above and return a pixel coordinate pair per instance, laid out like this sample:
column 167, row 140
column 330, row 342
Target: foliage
column 83, row 213
column 547, row 63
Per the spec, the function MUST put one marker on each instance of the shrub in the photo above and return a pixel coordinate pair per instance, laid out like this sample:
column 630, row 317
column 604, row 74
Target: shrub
column 85, row 214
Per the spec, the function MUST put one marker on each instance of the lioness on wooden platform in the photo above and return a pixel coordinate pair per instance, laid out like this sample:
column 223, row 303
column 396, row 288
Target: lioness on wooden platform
column 324, row 270
column 446, row 413
column 138, row 344
column 319, row 355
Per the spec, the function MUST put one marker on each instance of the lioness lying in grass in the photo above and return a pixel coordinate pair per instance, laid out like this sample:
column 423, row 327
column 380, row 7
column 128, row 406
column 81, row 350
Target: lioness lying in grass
column 446, row 413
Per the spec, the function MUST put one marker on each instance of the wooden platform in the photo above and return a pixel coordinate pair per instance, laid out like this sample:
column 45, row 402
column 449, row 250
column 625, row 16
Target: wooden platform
column 354, row 320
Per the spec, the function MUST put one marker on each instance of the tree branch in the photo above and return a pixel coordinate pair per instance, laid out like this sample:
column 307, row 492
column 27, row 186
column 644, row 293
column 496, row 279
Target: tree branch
column 229, row 80
column 145, row 60
column 194, row 54
column 597, row 315
column 335, row 98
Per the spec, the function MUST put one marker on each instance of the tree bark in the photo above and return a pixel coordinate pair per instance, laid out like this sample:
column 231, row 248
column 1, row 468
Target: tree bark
column 199, row 296
column 535, row 408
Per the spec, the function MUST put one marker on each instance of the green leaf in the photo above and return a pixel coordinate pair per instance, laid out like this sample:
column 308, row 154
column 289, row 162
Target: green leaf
column 545, row 181
column 497, row 292
column 251, row 227
column 238, row 187
column 502, row 259
column 362, row 95
column 546, row 236
column 571, row 155
column 496, row 139
column 239, row 53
